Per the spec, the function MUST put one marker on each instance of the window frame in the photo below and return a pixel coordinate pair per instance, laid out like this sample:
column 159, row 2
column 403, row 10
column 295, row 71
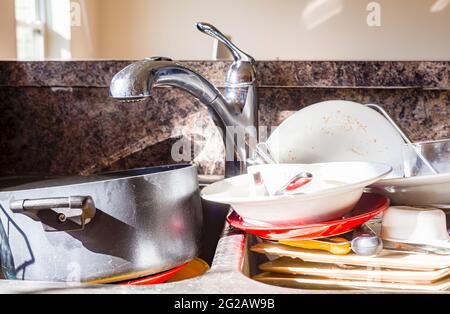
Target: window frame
column 39, row 25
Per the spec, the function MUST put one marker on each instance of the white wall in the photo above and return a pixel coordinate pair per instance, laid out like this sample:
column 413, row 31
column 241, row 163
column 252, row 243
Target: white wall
column 270, row 29
column 267, row 29
column 7, row 30
column 58, row 30
column 85, row 37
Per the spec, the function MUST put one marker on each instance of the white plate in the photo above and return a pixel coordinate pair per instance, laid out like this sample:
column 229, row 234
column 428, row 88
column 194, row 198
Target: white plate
column 313, row 207
column 337, row 131
column 416, row 191
column 421, row 187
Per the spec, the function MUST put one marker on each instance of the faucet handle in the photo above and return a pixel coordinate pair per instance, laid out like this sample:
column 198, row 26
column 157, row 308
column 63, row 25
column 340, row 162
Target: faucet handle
column 237, row 53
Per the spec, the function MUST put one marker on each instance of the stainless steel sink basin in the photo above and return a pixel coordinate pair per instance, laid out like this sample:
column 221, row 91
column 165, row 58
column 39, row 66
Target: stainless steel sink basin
column 224, row 247
column 232, row 267
column 229, row 274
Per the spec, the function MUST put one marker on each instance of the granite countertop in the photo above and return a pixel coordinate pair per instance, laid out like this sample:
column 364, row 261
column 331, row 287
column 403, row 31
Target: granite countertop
column 331, row 74
column 52, row 109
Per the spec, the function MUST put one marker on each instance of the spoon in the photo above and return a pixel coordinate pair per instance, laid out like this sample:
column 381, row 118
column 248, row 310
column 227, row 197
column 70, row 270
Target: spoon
column 296, row 182
column 365, row 242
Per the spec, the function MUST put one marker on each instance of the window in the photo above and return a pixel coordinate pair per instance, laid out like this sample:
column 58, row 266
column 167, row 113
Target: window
column 30, row 29
column 43, row 29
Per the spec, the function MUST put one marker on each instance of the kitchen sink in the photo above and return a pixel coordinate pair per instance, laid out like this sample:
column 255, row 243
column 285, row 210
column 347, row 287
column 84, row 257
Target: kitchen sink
column 223, row 247
column 226, row 250
column 232, row 267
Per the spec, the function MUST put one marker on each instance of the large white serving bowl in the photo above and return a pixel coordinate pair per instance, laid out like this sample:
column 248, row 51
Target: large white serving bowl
column 337, row 131
column 311, row 207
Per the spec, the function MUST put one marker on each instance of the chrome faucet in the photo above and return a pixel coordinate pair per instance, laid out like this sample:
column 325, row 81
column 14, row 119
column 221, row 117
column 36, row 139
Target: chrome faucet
column 235, row 112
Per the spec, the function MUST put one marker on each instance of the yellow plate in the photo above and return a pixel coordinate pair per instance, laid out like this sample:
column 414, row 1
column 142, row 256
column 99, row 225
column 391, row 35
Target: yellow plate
column 336, row 246
column 195, row 268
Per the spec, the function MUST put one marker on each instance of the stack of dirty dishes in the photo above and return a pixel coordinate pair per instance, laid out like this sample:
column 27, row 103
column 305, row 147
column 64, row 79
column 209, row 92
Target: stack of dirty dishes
column 415, row 255
column 319, row 205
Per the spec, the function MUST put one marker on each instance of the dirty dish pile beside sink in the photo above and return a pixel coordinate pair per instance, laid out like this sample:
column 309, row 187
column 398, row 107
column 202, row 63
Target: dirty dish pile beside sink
column 423, row 265
column 308, row 269
column 415, row 255
column 347, row 131
column 334, row 262
column 410, row 246
column 315, row 214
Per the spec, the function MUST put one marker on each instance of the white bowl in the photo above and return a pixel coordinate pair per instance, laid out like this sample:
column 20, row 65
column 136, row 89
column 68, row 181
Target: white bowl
column 312, row 207
column 414, row 225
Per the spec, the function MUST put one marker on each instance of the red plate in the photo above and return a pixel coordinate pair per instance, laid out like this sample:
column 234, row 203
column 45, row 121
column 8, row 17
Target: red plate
column 154, row 279
column 368, row 207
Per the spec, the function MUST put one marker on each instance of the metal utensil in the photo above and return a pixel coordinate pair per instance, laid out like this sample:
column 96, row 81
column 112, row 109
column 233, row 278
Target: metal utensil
column 365, row 242
column 293, row 184
column 403, row 135
column 416, row 248
column 296, row 182
column 262, row 155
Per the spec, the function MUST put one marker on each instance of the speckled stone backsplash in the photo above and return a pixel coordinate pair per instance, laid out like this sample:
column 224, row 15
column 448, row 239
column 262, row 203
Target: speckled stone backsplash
column 57, row 119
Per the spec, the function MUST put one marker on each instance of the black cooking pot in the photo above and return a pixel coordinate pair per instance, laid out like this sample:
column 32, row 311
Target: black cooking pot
column 104, row 228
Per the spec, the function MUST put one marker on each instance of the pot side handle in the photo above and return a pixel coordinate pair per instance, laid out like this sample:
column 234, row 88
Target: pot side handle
column 72, row 213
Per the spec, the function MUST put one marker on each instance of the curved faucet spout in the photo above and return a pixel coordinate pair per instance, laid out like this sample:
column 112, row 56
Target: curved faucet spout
column 136, row 81
column 236, row 114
